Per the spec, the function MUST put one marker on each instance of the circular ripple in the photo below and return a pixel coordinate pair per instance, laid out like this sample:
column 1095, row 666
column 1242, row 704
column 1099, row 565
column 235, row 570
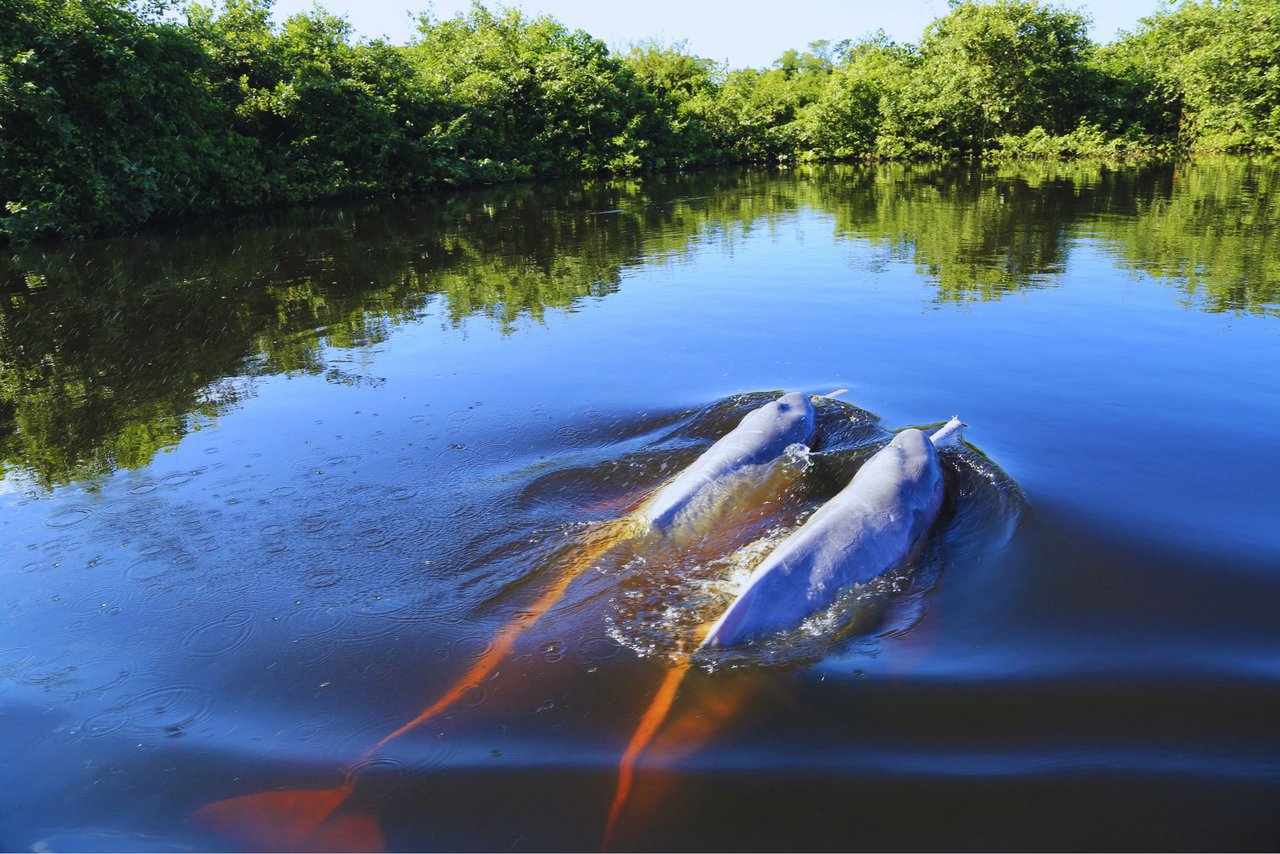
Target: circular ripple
column 474, row 696
column 315, row 523
column 386, row 614
column 377, row 536
column 67, row 518
column 316, row 621
column 570, row 436
column 312, row 727
column 109, row 679
column 472, row 647
column 14, row 659
column 380, row 777
column 595, row 650
column 48, row 675
column 144, row 488
column 170, row 711
column 347, row 460
column 320, row 579
column 218, row 637
column 178, row 478
column 99, row 725
column 105, row 601
column 148, row 570
column 318, row 634
column 140, row 514
column 62, row 544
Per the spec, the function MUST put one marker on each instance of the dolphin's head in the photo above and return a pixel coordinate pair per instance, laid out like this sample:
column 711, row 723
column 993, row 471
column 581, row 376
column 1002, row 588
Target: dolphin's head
column 793, row 416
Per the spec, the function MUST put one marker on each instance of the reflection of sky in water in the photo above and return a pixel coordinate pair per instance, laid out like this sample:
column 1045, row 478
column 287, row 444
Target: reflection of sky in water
column 273, row 582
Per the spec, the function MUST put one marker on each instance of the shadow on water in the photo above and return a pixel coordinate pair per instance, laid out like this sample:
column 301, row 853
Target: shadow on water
column 112, row 350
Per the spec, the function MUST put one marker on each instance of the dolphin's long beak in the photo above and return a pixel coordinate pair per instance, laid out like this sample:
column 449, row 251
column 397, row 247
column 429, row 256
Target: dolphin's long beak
column 948, row 433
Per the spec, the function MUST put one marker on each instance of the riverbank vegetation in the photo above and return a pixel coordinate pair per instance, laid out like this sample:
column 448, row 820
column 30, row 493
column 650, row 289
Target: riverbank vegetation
column 114, row 113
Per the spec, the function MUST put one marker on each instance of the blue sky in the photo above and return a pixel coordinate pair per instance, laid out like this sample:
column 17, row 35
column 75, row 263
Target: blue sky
column 745, row 32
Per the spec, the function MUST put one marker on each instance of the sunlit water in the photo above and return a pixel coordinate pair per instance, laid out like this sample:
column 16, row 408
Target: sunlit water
column 271, row 487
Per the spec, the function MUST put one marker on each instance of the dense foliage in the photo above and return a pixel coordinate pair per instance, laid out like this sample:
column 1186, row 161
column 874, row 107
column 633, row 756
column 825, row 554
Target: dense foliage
column 114, row 114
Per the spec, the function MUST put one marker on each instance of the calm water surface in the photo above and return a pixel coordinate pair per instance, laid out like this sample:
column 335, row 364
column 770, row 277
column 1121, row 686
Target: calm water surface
column 271, row 488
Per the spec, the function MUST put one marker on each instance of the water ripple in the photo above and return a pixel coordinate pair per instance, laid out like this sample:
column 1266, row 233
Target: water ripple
column 219, row 637
column 68, row 517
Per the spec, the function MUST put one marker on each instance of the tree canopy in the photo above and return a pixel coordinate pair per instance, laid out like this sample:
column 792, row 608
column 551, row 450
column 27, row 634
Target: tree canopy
column 113, row 115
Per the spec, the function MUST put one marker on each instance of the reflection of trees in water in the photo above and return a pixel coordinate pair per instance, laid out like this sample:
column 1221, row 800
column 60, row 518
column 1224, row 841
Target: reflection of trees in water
column 975, row 232
column 112, row 350
column 1211, row 229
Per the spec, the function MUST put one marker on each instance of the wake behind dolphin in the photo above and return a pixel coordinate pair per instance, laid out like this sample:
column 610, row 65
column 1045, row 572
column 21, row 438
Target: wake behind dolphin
column 878, row 523
column 743, row 462
column 745, row 481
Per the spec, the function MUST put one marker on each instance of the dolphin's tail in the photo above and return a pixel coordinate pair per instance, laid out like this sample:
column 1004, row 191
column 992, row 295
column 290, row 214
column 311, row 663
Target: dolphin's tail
column 603, row 539
column 640, row 739
column 305, row 820
column 650, row 722
column 947, row 434
column 297, row 820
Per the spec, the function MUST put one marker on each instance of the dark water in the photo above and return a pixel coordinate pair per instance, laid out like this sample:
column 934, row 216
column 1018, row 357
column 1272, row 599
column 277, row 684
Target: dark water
column 271, row 488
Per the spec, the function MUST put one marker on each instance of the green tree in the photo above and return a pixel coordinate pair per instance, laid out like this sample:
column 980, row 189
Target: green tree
column 758, row 114
column 526, row 95
column 326, row 116
column 107, row 120
column 987, row 70
column 845, row 120
column 1210, row 69
column 678, row 90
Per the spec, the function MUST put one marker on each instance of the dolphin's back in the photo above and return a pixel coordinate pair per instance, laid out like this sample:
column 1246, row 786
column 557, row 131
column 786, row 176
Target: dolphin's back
column 861, row 533
column 761, row 437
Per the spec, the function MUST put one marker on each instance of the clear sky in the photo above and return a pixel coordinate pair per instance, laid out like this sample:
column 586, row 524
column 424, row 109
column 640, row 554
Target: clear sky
column 745, row 32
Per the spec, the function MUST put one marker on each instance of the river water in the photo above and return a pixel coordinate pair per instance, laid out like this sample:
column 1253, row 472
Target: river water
column 273, row 486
